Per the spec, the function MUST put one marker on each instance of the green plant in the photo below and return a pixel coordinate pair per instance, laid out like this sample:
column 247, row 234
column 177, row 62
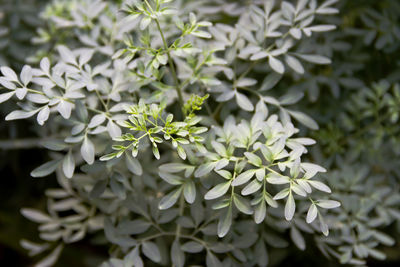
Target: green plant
column 173, row 134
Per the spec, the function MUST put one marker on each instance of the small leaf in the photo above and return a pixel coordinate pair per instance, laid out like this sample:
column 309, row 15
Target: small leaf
column 26, row 75
column 244, row 177
column 68, row 165
column 20, row 114
column 87, row 150
column 244, row 102
column 290, row 207
column 320, row 186
column 192, row 247
column 151, row 251
column 316, row 59
column 246, row 82
column 133, row 165
column 218, row 190
column 225, row 221
column 177, row 255
column 304, row 119
column 312, row 213
column 45, row 169
column 170, row 199
column 328, row 204
column 43, row 115
column 189, row 191
column 212, row 260
column 297, row 238
column 6, row 96
column 276, row 65
column 9, row 74
column 35, row 215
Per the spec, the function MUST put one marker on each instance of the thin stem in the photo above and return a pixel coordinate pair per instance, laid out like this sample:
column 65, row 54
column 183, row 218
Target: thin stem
column 172, row 66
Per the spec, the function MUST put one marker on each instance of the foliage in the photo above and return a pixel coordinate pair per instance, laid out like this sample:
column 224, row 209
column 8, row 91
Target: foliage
column 176, row 129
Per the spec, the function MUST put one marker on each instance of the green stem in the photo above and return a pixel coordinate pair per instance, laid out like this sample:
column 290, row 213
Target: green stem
column 172, row 66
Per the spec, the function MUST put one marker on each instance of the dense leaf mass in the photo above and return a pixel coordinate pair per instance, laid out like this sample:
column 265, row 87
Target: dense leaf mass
column 177, row 130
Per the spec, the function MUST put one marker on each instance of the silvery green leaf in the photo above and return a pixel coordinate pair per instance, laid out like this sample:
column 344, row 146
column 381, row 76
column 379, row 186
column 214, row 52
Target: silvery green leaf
column 9, row 74
column 174, row 167
column 192, row 247
column 298, row 190
column 21, row 92
column 376, row 254
column 282, row 194
column 118, row 188
column 177, row 255
column 243, row 102
column 20, row 114
column 323, row 226
column 26, row 75
column 276, row 65
column 133, row 165
column 68, row 165
column 212, row 260
column 133, row 257
column 37, row 98
column 290, row 207
column 45, row 169
column 7, row 84
column 316, row 59
column 218, row 190
column 226, row 96
column 244, row 177
column 225, row 222
column 253, row 159
column 98, row 189
column 113, row 129
column 204, row 169
column 34, row 248
column 45, row 65
column 320, row 186
column 260, row 252
column 4, row 97
column 81, row 111
column 50, row 259
column 274, row 178
column 170, row 178
column 297, row 238
column 384, row 238
column 295, row 64
column 181, row 152
column 66, row 54
column 304, row 119
column 151, row 251
column 97, row 120
column 144, row 23
column 312, row 213
column 88, row 150
column 43, row 115
column 296, row 33
column 322, row 28
column 260, row 212
column 170, row 199
column 189, row 191
column 201, row 34
column 65, row 108
column 246, row 82
column 35, row 215
column 328, row 204
column 242, row 204
column 259, row 55
column 251, row 187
